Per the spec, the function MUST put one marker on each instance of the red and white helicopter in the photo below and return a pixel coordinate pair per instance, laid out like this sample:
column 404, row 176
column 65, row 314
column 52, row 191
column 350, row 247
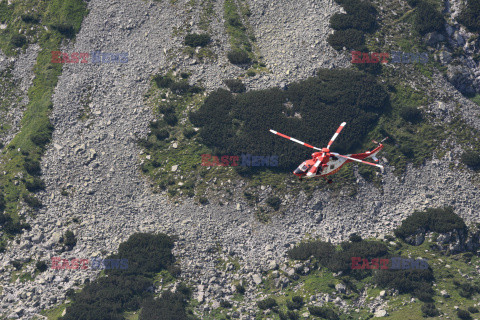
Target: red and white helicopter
column 326, row 163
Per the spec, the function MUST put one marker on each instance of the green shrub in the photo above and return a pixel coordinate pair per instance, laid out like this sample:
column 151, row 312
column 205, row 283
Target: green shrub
column 17, row 265
column 267, row 303
column 363, row 20
column 32, row 202
column 292, row 315
column 337, row 261
column 238, row 57
column 471, row 159
column 323, row 312
column 342, row 21
column 171, row 119
column 429, row 310
column 318, row 249
column 106, row 298
column 349, row 38
column 180, row 87
column 5, row 219
column 467, row 289
column 235, row 85
column 411, row 114
column 354, row 237
column 2, row 202
column 413, row 3
column 189, row 132
column 18, row 40
column 69, row 239
column 13, row 228
column 225, row 304
column 274, row 202
column 428, row 19
column 235, row 124
column 147, row 254
column 240, row 288
column 197, row 40
column 41, row 138
column 235, row 21
column 30, row 17
column 32, row 167
column 372, row 68
column 463, row 314
column 35, row 185
column 65, row 29
column 171, row 306
column 472, row 310
column 415, row 282
column 469, row 16
column 296, row 303
column 434, row 220
column 163, row 81
column 407, row 150
column 164, row 109
column 41, row 266
column 161, row 134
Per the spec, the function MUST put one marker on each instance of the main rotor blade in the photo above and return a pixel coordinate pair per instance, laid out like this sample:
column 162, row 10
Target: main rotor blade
column 358, row 160
column 313, row 169
column 336, row 134
column 294, row 140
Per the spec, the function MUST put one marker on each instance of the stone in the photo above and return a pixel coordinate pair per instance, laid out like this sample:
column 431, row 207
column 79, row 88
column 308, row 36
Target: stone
column 257, row 279
column 340, row 287
column 174, row 168
column 380, row 313
column 290, row 272
column 272, row 265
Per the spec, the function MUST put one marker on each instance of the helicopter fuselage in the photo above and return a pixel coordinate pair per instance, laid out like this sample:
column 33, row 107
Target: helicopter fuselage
column 330, row 164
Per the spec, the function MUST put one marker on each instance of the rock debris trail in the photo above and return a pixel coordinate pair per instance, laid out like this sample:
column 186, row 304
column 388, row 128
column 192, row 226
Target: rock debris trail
column 96, row 162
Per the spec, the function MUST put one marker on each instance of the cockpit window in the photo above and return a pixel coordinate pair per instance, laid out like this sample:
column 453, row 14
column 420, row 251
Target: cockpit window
column 302, row 168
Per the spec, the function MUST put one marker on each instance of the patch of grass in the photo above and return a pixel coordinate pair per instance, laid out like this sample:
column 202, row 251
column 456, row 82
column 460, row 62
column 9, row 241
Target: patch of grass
column 236, row 24
column 207, row 14
column 36, row 129
column 56, row 312
column 476, row 99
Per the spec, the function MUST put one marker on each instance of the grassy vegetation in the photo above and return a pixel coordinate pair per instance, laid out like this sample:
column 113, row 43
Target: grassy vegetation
column 476, row 99
column 320, row 280
column 125, row 292
column 179, row 144
column 408, row 142
column 207, row 15
column 63, row 20
column 10, row 97
column 411, row 140
column 236, row 13
column 413, row 135
column 55, row 313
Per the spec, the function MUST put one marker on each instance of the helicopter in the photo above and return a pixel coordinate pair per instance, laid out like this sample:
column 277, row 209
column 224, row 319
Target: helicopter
column 325, row 162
